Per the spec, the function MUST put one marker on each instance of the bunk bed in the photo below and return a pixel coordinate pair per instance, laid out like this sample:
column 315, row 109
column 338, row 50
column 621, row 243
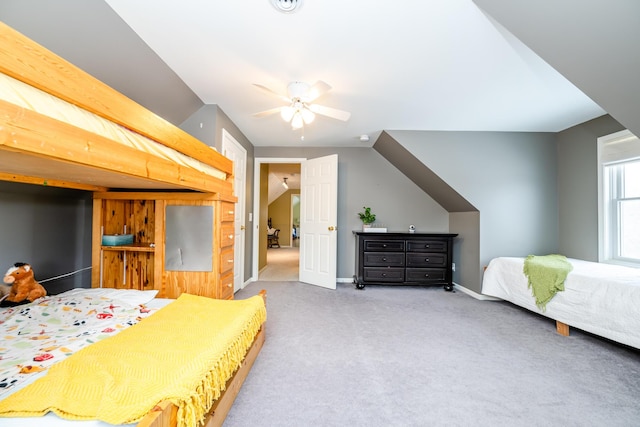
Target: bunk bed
column 61, row 127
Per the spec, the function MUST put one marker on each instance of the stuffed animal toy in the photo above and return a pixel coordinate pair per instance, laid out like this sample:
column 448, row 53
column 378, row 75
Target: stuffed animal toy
column 4, row 291
column 24, row 287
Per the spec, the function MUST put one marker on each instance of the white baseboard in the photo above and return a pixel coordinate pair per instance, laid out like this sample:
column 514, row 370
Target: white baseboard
column 474, row 294
column 456, row 286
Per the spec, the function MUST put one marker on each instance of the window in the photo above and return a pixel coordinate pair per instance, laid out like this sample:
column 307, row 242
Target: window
column 619, row 196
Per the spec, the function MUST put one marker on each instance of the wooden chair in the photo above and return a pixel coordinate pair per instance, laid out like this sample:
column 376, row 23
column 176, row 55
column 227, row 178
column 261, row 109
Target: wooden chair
column 272, row 239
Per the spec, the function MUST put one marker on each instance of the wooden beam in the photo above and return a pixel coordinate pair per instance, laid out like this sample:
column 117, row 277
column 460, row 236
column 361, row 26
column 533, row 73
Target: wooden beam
column 150, row 195
column 48, row 182
column 29, row 62
column 28, row 132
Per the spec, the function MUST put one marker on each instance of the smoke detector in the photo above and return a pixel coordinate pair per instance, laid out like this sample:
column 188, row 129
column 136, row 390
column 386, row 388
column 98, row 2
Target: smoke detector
column 287, row 6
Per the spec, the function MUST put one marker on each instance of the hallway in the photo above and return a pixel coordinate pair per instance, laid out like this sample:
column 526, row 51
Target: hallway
column 282, row 264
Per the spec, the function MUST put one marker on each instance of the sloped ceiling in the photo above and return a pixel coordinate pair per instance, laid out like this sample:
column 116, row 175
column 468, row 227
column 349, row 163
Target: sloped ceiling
column 418, row 65
column 421, row 65
column 594, row 44
column 277, row 173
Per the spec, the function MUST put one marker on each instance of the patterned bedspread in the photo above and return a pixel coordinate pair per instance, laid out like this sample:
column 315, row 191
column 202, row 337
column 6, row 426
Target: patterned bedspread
column 39, row 334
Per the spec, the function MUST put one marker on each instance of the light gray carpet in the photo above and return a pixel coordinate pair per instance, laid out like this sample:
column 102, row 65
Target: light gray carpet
column 416, row 356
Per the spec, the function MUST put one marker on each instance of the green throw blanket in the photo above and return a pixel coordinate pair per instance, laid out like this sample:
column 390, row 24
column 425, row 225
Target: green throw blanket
column 546, row 275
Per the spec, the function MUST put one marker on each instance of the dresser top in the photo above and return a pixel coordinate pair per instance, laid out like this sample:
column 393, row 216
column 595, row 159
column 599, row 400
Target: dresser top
column 402, row 234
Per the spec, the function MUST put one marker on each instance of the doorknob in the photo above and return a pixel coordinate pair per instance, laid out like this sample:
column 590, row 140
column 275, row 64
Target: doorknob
column 331, row 228
column 242, row 227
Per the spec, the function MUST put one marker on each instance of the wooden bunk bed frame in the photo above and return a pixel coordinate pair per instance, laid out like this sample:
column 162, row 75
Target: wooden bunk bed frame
column 39, row 150
column 36, row 149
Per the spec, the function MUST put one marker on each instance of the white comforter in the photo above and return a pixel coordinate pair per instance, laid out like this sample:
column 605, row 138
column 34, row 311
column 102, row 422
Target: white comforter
column 603, row 299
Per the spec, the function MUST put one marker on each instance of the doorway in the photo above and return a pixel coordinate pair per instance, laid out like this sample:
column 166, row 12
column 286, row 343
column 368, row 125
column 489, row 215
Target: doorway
column 318, row 218
column 277, row 206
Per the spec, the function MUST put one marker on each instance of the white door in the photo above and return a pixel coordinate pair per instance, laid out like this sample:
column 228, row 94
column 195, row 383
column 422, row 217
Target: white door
column 318, row 221
column 237, row 153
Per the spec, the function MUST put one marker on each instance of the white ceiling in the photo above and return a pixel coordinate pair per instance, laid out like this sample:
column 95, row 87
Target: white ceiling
column 411, row 65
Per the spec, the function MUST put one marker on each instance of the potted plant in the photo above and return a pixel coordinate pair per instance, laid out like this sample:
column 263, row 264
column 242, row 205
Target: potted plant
column 367, row 217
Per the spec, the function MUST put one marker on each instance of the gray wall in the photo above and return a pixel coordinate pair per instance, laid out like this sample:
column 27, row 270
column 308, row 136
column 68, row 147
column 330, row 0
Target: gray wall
column 510, row 177
column 578, row 186
column 365, row 178
column 207, row 124
column 48, row 228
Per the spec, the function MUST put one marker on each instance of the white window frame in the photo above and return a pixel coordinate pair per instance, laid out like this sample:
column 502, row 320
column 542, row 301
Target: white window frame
column 615, row 149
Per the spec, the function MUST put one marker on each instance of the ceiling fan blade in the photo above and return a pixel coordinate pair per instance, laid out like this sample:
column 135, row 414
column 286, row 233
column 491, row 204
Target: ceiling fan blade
column 330, row 112
column 269, row 112
column 271, row 93
column 318, row 89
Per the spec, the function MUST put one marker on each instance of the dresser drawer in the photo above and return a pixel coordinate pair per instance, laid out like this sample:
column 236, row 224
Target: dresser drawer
column 384, row 245
column 386, row 275
column 227, row 211
column 426, row 260
column 426, row 274
column 226, row 286
column 383, row 259
column 426, row 246
column 227, row 231
column 226, row 260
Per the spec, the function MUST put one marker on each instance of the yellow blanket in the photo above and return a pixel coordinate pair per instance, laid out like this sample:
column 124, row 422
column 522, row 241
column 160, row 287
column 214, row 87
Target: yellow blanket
column 184, row 353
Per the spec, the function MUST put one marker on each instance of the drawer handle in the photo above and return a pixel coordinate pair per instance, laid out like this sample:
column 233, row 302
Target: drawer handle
column 231, row 212
column 229, row 285
column 384, row 274
column 231, row 236
column 384, row 259
column 230, row 261
column 384, row 246
column 427, row 246
column 426, row 275
column 426, row 259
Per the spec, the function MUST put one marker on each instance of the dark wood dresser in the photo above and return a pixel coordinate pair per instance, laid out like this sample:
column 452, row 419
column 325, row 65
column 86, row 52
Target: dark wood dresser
column 404, row 259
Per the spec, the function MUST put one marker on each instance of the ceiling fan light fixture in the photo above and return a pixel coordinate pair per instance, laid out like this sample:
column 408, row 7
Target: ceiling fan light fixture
column 287, row 113
column 307, row 115
column 297, row 122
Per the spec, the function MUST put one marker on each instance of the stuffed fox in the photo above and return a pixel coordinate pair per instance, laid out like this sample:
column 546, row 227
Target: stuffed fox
column 23, row 284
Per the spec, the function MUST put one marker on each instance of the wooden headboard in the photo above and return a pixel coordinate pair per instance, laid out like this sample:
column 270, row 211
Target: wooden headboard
column 38, row 149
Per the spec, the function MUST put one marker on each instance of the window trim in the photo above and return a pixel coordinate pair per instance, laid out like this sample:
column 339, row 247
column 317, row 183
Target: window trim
column 619, row 147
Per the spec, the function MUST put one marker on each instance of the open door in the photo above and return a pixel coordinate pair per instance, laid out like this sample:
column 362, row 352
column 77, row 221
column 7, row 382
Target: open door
column 318, row 221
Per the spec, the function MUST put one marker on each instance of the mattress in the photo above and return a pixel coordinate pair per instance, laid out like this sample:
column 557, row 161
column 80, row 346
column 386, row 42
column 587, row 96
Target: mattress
column 153, row 366
column 602, row 299
column 92, row 314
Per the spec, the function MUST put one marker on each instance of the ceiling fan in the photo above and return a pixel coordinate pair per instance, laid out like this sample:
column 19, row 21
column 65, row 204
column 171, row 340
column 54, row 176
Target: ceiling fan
column 299, row 109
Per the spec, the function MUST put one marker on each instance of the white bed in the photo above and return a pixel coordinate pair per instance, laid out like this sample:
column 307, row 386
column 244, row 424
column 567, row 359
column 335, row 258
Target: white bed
column 599, row 298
